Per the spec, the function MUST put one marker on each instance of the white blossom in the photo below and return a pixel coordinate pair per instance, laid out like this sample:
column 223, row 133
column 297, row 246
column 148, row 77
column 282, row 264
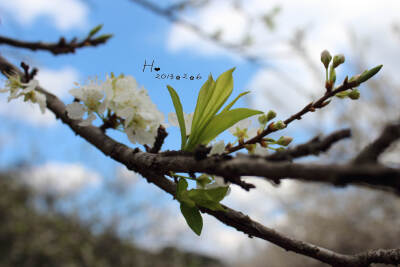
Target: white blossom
column 142, row 118
column 122, row 96
column 240, row 129
column 219, row 182
column 260, row 150
column 217, row 148
column 16, row 88
column 188, row 118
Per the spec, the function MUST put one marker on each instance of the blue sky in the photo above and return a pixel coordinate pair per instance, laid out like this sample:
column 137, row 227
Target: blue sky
column 139, row 35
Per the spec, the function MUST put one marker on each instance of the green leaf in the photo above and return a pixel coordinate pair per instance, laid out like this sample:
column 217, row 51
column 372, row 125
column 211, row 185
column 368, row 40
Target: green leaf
column 193, row 218
column 95, row 30
column 228, row 107
column 218, row 193
column 179, row 114
column 223, row 121
column 204, row 199
column 103, row 38
column 202, row 100
column 366, row 75
column 181, row 187
column 182, row 193
column 220, row 93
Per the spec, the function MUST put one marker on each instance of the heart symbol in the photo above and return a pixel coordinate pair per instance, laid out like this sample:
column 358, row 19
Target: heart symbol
column 156, row 69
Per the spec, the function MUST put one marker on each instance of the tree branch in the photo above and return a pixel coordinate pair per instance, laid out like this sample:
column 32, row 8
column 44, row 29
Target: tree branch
column 370, row 153
column 147, row 164
column 61, row 47
column 313, row 147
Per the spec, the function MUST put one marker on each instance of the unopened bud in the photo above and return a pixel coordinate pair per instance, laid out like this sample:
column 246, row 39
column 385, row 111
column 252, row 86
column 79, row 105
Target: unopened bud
column 354, row 94
column 342, row 95
column 337, row 60
column 263, row 119
column 279, row 125
column 284, row 140
column 326, row 58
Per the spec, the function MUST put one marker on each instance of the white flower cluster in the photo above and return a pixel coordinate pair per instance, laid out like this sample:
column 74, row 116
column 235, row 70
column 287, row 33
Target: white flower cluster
column 27, row 90
column 122, row 96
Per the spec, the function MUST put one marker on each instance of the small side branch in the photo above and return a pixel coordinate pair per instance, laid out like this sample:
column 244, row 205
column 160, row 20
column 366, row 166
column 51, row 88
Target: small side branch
column 61, row 47
column 314, row 147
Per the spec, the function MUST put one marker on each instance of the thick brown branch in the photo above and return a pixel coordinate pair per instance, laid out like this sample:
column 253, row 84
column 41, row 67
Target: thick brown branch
column 61, row 47
column 370, row 153
column 313, row 147
column 148, row 165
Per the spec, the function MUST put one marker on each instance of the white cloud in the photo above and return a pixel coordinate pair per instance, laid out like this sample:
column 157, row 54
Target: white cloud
column 59, row 178
column 125, row 178
column 57, row 82
column 328, row 25
column 65, row 14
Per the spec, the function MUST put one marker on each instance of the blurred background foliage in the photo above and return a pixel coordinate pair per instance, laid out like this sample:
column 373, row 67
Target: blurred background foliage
column 32, row 237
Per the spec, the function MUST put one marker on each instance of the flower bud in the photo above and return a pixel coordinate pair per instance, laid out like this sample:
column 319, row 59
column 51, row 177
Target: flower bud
column 354, row 94
column 337, row 60
column 270, row 115
column 263, row 119
column 284, row 140
column 279, row 125
column 326, row 58
column 342, row 95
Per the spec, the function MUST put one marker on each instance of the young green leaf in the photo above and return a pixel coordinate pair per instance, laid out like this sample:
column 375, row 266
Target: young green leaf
column 202, row 100
column 193, row 218
column 369, row 74
column 210, row 200
column 179, row 114
column 220, row 93
column 95, row 30
column 181, row 187
column 218, row 193
column 223, row 121
column 228, row 107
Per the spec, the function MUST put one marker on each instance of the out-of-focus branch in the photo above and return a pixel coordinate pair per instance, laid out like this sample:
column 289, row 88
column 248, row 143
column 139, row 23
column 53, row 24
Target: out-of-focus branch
column 170, row 15
column 61, row 47
column 313, row 147
column 152, row 167
column 370, row 153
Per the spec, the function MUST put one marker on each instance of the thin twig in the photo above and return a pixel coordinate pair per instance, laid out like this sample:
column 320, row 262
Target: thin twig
column 61, row 47
column 320, row 103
